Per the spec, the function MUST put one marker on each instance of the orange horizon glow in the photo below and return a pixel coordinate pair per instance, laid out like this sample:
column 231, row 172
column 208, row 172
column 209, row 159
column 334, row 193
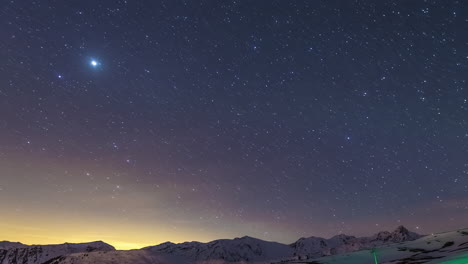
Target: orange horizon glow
column 122, row 240
column 51, row 202
column 46, row 201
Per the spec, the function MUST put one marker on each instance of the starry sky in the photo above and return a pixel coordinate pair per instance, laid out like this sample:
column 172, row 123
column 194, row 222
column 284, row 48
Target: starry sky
column 139, row 122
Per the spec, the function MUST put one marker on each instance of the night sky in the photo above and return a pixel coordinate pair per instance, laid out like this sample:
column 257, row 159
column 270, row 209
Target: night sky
column 138, row 122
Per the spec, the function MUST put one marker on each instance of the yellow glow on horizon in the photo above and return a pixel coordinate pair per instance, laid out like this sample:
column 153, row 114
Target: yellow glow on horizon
column 122, row 240
column 127, row 246
column 49, row 202
column 43, row 230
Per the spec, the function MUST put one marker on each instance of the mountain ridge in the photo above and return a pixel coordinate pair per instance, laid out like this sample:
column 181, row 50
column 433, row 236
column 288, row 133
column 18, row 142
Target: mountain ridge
column 243, row 249
column 314, row 247
column 15, row 252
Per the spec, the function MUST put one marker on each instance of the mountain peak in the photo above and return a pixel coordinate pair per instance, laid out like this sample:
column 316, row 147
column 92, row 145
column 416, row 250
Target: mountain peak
column 401, row 229
column 245, row 238
column 342, row 236
column 7, row 244
column 401, row 233
column 14, row 252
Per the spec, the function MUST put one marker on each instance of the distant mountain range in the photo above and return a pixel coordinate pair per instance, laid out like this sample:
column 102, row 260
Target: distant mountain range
column 17, row 253
column 239, row 250
column 314, row 247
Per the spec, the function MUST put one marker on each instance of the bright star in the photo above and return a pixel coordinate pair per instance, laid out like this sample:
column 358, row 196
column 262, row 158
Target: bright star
column 94, row 63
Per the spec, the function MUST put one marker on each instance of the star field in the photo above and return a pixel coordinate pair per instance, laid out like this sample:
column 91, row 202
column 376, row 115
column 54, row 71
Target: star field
column 196, row 120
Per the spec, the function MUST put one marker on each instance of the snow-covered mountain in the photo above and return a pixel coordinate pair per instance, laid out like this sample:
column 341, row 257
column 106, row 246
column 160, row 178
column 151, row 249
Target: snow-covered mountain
column 399, row 235
column 442, row 248
column 17, row 253
column 10, row 245
column 238, row 250
column 245, row 249
column 314, row 247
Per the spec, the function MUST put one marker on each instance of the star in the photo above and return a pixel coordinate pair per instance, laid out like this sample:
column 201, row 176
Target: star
column 94, row 63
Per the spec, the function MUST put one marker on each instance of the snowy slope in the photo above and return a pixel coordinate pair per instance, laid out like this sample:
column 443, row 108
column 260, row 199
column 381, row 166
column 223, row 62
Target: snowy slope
column 38, row 254
column 10, row 245
column 315, row 247
column 443, row 248
column 238, row 250
column 235, row 250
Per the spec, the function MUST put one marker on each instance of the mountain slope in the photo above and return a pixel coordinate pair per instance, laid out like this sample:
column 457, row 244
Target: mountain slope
column 315, row 247
column 443, row 248
column 238, row 250
column 10, row 245
column 38, row 254
column 235, row 250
